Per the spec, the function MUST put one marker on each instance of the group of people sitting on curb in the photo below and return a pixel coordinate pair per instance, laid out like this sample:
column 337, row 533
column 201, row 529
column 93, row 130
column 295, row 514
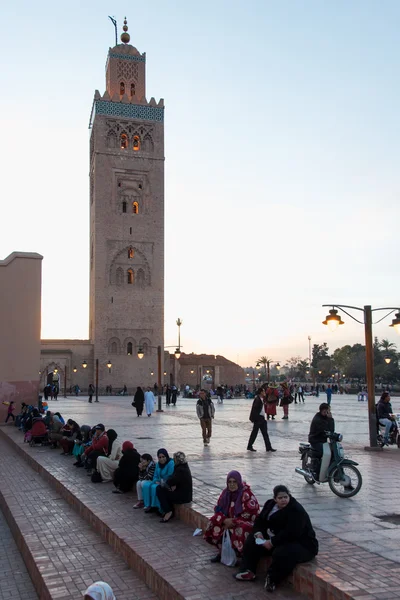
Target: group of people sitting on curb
column 281, row 530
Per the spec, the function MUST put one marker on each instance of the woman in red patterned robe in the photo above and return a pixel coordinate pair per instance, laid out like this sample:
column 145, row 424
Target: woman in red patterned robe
column 236, row 510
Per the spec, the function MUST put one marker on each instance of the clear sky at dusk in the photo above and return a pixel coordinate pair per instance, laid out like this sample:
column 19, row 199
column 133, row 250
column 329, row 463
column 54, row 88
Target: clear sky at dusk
column 282, row 161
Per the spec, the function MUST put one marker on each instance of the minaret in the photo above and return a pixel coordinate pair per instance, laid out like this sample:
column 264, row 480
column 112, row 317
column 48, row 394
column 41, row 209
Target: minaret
column 126, row 221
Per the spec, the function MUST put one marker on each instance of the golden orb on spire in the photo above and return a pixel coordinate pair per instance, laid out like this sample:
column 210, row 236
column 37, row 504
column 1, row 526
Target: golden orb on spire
column 125, row 37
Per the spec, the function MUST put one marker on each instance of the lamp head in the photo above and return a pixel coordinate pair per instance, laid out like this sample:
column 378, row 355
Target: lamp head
column 396, row 323
column 278, row 366
column 333, row 320
column 177, row 353
column 84, row 364
column 140, row 353
column 387, row 359
column 109, row 364
column 74, row 369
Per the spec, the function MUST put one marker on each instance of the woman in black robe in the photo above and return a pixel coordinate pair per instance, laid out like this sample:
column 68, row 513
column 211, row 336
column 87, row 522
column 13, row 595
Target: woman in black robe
column 127, row 472
column 138, row 401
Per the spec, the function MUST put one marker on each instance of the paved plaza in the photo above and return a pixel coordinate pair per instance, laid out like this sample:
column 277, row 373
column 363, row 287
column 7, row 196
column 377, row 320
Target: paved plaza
column 355, row 520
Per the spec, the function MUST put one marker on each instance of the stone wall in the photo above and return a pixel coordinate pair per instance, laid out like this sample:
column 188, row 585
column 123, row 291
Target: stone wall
column 20, row 321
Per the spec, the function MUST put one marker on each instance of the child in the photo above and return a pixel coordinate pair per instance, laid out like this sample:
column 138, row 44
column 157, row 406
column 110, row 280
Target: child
column 10, row 411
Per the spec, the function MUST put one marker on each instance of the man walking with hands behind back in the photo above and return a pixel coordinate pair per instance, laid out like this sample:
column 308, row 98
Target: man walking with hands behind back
column 259, row 422
column 205, row 411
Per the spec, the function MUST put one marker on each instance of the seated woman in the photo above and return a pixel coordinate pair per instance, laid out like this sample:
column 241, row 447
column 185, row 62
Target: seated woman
column 99, row 591
column 106, row 465
column 236, row 510
column 178, row 488
column 82, row 438
column 147, row 467
column 127, row 472
column 69, row 432
column 55, row 434
column 60, row 417
column 38, row 432
column 164, row 469
column 287, row 534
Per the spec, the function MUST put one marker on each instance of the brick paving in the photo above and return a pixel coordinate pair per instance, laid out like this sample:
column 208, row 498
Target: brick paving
column 68, row 554
column 15, row 583
column 361, row 543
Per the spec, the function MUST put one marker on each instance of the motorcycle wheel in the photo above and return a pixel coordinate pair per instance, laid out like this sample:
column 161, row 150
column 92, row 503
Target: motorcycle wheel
column 337, row 485
column 304, row 466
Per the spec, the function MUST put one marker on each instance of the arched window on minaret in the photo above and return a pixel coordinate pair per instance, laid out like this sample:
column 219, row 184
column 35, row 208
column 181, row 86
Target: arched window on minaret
column 140, row 278
column 121, row 88
column 124, row 206
column 124, row 141
column 133, row 89
column 129, row 348
column 120, row 276
column 135, row 207
column 131, row 252
column 136, row 143
column 130, row 276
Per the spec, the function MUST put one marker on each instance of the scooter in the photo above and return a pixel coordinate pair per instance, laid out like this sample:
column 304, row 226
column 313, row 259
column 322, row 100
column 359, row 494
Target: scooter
column 394, row 436
column 343, row 477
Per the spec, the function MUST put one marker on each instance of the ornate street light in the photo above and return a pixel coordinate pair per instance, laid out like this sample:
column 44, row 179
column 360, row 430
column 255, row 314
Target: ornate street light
column 387, row 358
column 109, row 364
column 177, row 353
column 55, row 371
column 84, row 364
column 333, row 320
column 140, row 353
column 74, row 369
column 191, row 371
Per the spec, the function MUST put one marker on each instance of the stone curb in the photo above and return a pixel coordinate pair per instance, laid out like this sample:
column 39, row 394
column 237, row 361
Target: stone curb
column 307, row 579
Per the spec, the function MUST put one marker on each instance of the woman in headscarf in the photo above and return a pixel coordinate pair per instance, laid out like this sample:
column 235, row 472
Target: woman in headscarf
column 106, row 465
column 127, row 472
column 236, row 510
column 138, row 401
column 70, row 432
column 271, row 400
column 178, row 488
column 164, row 470
column 55, row 434
column 282, row 530
column 99, row 591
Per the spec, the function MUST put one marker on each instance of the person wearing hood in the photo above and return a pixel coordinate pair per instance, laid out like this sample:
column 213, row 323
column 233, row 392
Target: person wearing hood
column 99, row 447
column 147, row 466
column 127, row 472
column 70, row 432
column 106, row 465
column 236, row 510
column 138, row 401
column 99, row 591
column 282, row 530
column 164, row 470
column 55, row 434
column 178, row 489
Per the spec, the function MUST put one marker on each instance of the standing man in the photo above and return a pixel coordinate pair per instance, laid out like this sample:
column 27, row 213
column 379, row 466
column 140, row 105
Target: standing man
column 149, row 401
column 301, row 393
column 205, row 410
column 329, row 395
column 91, row 391
column 259, row 422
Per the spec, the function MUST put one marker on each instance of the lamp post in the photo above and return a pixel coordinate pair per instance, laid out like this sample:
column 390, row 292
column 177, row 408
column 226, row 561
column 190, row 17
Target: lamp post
column 140, row 355
column 84, row 366
column 333, row 320
column 267, row 365
column 179, row 323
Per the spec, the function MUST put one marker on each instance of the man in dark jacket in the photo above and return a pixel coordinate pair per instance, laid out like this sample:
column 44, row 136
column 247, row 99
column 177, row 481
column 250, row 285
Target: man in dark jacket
column 205, row 410
column 321, row 423
column 259, row 422
column 384, row 413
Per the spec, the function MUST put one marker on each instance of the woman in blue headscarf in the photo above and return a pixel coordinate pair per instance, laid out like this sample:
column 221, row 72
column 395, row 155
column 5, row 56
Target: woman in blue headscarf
column 164, row 469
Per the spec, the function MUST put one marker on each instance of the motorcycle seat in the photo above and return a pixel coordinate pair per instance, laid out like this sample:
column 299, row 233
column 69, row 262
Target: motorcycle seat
column 304, row 445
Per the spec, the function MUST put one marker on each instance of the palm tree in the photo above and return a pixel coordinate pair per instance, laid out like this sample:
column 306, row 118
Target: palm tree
column 264, row 360
column 387, row 346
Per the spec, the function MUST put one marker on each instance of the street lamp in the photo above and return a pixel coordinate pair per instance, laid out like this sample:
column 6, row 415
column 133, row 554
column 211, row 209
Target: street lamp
column 140, row 355
column 387, row 358
column 55, row 371
column 333, row 320
column 84, row 364
column 192, row 371
column 177, row 353
column 74, row 369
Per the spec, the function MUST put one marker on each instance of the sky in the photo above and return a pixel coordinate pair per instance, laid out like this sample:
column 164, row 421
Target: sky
column 282, row 154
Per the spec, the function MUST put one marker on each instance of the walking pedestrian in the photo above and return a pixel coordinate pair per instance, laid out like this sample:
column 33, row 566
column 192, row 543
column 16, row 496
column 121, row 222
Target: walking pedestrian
column 10, row 411
column 205, row 410
column 329, row 395
column 91, row 391
column 271, row 400
column 149, row 401
column 259, row 422
column 300, row 390
column 286, row 399
column 174, row 394
column 168, row 395
column 138, row 401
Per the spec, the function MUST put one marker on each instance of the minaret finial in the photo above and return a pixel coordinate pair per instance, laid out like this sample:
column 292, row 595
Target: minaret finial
column 125, row 37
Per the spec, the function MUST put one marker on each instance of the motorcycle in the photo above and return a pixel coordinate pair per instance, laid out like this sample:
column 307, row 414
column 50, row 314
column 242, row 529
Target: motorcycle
column 341, row 473
column 394, row 436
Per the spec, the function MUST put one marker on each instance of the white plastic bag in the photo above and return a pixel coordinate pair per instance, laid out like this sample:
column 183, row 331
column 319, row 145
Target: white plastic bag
column 228, row 555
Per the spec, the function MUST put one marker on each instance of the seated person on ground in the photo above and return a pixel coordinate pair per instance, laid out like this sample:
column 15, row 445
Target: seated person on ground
column 178, row 489
column 82, row 438
column 164, row 469
column 236, row 510
column 70, row 432
column 60, row 417
column 106, row 465
column 98, row 447
column 127, row 472
column 287, row 534
column 147, row 467
column 38, row 431
column 55, row 434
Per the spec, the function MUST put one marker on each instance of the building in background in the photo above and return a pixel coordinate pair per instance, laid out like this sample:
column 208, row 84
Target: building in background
column 20, row 320
column 126, row 235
